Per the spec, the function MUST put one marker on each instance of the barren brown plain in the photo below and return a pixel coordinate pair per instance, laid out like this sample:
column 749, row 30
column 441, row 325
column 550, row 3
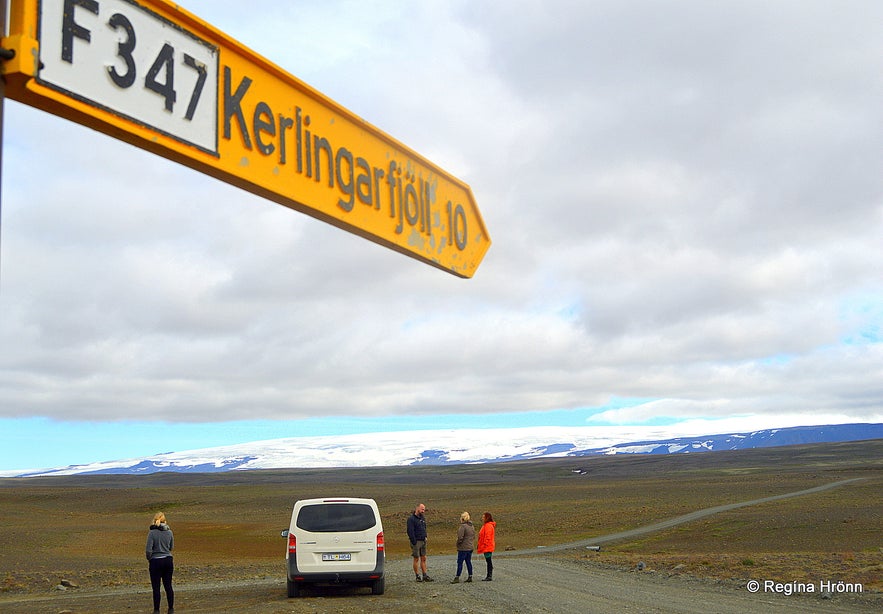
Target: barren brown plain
column 91, row 530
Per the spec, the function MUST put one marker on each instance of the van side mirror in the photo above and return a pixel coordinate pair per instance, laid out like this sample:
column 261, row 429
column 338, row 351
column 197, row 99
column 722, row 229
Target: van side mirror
column 285, row 533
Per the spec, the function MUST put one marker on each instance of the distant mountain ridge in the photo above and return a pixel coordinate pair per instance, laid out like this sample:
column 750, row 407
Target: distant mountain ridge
column 456, row 447
column 767, row 438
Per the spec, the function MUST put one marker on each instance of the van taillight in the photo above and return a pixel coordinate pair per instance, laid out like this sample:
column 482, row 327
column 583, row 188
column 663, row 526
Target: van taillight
column 380, row 541
column 292, row 543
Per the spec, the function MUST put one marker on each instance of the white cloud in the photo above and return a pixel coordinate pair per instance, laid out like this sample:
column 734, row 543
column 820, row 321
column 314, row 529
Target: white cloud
column 684, row 200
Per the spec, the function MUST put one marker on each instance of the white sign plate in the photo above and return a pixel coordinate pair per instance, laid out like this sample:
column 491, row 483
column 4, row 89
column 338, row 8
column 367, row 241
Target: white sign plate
column 120, row 56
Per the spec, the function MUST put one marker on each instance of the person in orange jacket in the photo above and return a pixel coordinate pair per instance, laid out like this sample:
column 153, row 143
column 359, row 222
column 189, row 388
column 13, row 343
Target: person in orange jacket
column 486, row 543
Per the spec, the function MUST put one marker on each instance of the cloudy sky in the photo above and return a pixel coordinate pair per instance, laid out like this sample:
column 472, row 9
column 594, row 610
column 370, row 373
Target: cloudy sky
column 685, row 200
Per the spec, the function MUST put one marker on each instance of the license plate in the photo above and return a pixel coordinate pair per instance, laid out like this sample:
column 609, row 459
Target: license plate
column 337, row 556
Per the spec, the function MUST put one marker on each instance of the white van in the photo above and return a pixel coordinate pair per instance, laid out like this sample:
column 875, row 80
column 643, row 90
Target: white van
column 333, row 541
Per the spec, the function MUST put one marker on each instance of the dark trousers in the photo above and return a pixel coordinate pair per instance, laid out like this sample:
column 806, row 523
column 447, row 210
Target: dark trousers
column 490, row 564
column 161, row 570
column 464, row 556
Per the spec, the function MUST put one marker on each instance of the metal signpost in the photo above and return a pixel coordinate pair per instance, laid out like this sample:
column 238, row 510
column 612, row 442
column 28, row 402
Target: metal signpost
column 5, row 54
column 160, row 78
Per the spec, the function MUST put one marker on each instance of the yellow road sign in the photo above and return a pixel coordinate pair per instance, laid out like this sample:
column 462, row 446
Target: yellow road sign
column 160, row 78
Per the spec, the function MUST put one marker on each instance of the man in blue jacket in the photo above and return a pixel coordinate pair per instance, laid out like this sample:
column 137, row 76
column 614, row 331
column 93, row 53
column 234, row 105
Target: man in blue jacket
column 417, row 537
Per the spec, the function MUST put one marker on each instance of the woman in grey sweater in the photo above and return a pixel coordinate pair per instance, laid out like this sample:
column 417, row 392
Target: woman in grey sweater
column 465, row 545
column 160, row 542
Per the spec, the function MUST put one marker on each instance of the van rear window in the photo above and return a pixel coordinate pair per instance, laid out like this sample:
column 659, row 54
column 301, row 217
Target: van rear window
column 335, row 517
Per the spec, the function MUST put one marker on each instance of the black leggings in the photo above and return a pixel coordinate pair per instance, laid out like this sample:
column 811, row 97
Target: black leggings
column 162, row 570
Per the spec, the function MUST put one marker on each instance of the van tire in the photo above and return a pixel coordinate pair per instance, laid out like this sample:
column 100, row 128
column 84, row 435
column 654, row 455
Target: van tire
column 378, row 586
column 293, row 589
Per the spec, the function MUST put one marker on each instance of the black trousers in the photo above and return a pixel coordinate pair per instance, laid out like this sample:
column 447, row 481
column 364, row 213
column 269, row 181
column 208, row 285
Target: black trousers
column 161, row 570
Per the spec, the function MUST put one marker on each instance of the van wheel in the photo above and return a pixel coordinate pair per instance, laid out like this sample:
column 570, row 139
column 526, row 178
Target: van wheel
column 378, row 586
column 293, row 589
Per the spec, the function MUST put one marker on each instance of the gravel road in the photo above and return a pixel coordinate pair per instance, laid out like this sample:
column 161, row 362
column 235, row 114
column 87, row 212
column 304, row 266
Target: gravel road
column 522, row 584
column 554, row 579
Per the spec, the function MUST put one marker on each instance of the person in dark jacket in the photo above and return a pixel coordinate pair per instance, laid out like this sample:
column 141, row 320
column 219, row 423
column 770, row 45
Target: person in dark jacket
column 160, row 542
column 417, row 537
column 465, row 546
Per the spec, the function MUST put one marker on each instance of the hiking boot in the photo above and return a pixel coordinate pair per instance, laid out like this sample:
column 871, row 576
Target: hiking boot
column 456, row 580
column 469, row 579
column 427, row 578
column 419, row 579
